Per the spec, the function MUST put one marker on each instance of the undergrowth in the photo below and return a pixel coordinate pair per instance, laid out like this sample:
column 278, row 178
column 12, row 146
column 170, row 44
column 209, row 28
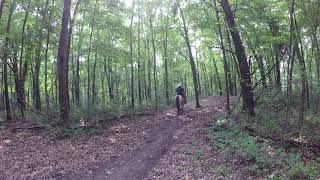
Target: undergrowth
column 257, row 156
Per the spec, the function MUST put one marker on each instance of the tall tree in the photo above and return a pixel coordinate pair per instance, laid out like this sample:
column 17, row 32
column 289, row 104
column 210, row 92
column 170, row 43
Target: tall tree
column 5, row 60
column 191, row 60
column 131, row 56
column 245, row 83
column 77, row 73
column 62, row 64
column 1, row 7
column 36, row 81
column 225, row 62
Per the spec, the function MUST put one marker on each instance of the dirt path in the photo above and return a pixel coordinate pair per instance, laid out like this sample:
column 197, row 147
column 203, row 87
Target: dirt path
column 139, row 163
column 152, row 147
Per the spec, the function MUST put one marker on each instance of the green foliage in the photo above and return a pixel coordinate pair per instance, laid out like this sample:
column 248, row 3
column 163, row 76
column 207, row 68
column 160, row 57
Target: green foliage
column 259, row 157
column 300, row 170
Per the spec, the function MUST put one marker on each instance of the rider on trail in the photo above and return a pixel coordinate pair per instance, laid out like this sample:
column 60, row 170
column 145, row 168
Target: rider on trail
column 180, row 91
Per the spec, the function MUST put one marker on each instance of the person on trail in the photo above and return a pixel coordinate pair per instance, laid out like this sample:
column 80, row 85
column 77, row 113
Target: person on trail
column 180, row 91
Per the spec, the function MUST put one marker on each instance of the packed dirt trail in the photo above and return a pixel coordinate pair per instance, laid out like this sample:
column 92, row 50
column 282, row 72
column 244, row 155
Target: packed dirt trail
column 161, row 145
column 139, row 163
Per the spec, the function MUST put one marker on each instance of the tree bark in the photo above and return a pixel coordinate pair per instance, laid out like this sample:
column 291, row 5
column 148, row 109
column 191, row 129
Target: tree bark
column 77, row 78
column 37, row 65
column 139, row 64
column 94, row 78
column 165, row 57
column 154, row 62
column 275, row 32
column 1, row 7
column 131, row 57
column 245, row 83
column 5, row 61
column 70, row 40
column 109, row 72
column 193, row 66
column 88, row 59
column 62, row 65
column 21, row 71
column 225, row 62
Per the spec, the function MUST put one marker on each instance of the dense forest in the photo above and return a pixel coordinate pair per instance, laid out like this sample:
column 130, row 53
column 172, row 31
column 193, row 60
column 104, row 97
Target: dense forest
column 62, row 60
column 85, row 54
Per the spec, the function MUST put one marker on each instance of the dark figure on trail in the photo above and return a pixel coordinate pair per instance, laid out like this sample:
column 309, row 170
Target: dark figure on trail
column 180, row 98
column 180, row 91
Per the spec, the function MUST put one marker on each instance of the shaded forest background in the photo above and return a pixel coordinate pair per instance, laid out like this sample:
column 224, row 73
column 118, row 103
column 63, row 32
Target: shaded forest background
column 91, row 56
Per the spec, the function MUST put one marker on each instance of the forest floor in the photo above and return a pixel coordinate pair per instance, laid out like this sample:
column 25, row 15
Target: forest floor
column 159, row 146
column 202, row 143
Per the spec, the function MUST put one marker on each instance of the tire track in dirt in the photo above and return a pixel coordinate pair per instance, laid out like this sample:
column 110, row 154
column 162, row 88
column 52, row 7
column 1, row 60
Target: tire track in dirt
column 137, row 164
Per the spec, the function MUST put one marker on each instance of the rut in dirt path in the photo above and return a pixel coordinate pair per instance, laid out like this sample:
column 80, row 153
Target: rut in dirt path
column 159, row 140
column 138, row 163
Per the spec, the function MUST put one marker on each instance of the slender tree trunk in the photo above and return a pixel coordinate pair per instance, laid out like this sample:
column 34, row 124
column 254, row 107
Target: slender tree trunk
column 303, row 71
column 1, row 7
column 36, row 81
column 292, row 52
column 275, row 32
column 94, row 79
column 154, row 62
column 70, row 41
column 88, row 59
column 317, row 62
column 225, row 62
column 77, row 78
column 245, row 83
column 259, row 60
column 109, row 72
column 217, row 76
column 139, row 64
column 62, row 64
column 103, row 73
column 165, row 57
column 49, row 29
column 193, row 66
column 131, row 57
column 5, row 61
column 149, row 72
column 20, row 73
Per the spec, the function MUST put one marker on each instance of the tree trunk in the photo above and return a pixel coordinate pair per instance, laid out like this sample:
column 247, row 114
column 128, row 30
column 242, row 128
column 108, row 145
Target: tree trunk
column 49, row 29
column 225, row 62
column 317, row 62
column 259, row 60
column 165, row 57
column 193, row 66
column 1, row 7
column 275, row 32
column 21, row 71
column 88, row 59
column 5, row 61
column 292, row 52
column 62, row 65
column 131, row 58
column 217, row 76
column 139, row 64
column 154, row 63
column 94, row 79
column 109, row 72
column 70, row 40
column 36, row 83
column 77, row 79
column 245, row 83
column 303, row 71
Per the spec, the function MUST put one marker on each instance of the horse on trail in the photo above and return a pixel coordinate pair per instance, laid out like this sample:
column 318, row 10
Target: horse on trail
column 179, row 104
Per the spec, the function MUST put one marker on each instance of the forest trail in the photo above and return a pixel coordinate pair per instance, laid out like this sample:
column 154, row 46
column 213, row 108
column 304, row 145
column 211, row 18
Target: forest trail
column 161, row 146
column 139, row 163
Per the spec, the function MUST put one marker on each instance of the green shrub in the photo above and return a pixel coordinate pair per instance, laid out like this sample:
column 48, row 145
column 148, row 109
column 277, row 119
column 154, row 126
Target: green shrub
column 301, row 170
